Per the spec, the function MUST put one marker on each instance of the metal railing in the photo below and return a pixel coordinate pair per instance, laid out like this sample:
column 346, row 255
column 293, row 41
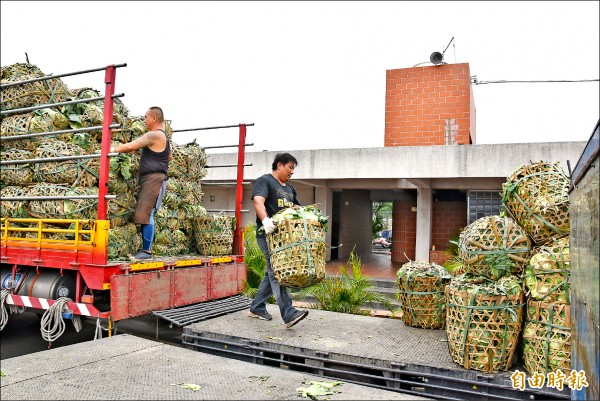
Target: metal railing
column 107, row 126
column 239, row 190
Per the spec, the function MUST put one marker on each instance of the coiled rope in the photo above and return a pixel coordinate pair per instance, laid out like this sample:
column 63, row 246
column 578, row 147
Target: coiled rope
column 53, row 325
column 3, row 312
column 11, row 308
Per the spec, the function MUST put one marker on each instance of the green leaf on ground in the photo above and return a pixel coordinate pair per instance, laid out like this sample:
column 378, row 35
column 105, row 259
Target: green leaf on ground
column 193, row 387
column 318, row 388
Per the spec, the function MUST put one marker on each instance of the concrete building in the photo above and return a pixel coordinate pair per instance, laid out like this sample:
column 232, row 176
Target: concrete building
column 430, row 167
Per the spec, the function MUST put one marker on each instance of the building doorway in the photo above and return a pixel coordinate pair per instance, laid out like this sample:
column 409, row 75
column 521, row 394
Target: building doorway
column 381, row 227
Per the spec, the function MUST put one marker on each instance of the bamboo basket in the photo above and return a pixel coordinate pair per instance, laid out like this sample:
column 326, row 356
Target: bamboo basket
column 170, row 243
column 214, row 234
column 16, row 174
column 547, row 337
column 189, row 162
column 483, row 325
column 83, row 172
column 18, row 69
column 123, row 241
column 494, row 247
column 297, row 252
column 548, row 275
column 83, row 209
column 33, row 93
column 537, row 197
column 13, row 209
column 44, row 120
column 421, row 293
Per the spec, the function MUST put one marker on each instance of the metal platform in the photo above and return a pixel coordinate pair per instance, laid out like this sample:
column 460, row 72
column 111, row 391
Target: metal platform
column 378, row 352
column 205, row 310
column 128, row 367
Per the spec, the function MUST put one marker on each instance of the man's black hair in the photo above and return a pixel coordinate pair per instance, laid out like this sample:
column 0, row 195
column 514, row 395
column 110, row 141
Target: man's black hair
column 283, row 158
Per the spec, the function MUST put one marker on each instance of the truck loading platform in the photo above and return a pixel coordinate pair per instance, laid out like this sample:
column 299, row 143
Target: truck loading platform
column 378, row 352
column 128, row 367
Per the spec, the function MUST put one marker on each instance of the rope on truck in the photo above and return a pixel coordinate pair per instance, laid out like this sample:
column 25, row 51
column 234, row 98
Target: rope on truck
column 3, row 312
column 53, row 324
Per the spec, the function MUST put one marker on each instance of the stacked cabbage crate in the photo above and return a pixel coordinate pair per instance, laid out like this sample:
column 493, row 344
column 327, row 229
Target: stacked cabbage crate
column 536, row 195
column 182, row 203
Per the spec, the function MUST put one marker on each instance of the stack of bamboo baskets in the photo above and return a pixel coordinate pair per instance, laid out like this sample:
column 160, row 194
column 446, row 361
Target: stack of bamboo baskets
column 182, row 205
column 485, row 304
column 519, row 258
column 536, row 195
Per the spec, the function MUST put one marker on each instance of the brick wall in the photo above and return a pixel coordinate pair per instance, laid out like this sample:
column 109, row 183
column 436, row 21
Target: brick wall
column 404, row 231
column 419, row 100
column 446, row 219
column 438, row 257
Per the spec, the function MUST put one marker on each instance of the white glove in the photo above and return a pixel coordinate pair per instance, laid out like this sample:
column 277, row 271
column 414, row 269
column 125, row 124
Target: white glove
column 268, row 225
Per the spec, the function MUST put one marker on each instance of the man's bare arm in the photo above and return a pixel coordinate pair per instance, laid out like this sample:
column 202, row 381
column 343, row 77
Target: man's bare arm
column 259, row 207
column 148, row 139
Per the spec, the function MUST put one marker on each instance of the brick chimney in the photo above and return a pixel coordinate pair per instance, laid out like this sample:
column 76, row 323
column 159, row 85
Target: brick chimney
column 430, row 105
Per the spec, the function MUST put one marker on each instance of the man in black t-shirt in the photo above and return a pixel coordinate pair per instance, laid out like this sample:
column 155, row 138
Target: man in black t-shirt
column 271, row 193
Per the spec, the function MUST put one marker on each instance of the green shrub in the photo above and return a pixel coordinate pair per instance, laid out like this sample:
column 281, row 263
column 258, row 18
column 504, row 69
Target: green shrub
column 343, row 293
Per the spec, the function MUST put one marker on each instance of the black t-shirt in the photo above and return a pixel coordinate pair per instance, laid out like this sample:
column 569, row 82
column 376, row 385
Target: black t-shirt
column 277, row 196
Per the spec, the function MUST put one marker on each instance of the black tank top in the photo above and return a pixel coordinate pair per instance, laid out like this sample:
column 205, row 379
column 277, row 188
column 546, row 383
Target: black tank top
column 155, row 162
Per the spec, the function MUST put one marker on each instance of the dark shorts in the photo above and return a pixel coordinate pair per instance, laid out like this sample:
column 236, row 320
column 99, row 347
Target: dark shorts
column 150, row 194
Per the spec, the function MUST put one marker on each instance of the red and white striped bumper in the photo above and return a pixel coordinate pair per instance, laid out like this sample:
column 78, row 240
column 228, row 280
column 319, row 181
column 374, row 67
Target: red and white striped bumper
column 41, row 303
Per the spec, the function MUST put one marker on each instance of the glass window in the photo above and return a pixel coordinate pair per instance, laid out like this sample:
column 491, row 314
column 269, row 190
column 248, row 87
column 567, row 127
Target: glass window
column 482, row 203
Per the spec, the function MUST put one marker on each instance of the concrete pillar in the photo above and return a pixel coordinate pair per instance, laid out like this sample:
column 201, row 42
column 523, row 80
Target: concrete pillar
column 424, row 213
column 324, row 200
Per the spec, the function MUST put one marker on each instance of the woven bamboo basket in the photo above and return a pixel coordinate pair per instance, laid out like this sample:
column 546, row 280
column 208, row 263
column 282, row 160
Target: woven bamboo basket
column 121, row 209
column 170, row 243
column 16, row 174
column 18, row 69
column 494, row 247
column 45, row 120
column 214, row 234
column 15, row 125
column 421, row 288
column 297, row 252
column 120, row 112
column 83, row 172
column 83, row 209
column 536, row 196
column 123, row 241
column 164, row 219
column 547, row 337
column 483, row 325
column 33, row 93
column 13, row 209
column 548, row 275
column 189, row 162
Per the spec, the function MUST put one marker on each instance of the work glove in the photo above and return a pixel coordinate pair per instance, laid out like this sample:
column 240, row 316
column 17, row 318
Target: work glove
column 268, row 225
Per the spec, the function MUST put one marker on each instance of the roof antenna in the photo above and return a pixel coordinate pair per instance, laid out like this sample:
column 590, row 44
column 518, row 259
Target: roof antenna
column 27, row 58
column 444, row 52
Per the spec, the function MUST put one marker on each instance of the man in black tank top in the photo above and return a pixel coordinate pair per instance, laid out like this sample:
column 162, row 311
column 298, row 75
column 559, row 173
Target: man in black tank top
column 153, row 172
